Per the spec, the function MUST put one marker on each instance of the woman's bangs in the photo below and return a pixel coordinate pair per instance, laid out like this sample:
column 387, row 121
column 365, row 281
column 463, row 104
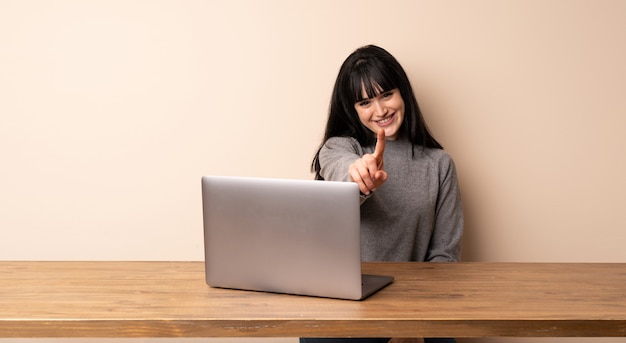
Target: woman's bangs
column 372, row 81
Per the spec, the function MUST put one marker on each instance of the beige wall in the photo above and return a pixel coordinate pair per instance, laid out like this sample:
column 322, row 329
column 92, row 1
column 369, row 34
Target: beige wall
column 110, row 111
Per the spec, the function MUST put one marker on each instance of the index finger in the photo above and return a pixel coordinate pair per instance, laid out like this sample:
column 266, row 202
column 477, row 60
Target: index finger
column 380, row 145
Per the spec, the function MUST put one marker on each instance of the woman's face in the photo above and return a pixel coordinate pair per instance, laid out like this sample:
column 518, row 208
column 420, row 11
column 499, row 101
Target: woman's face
column 384, row 111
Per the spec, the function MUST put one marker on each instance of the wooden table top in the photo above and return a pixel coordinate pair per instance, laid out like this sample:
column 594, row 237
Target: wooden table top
column 171, row 299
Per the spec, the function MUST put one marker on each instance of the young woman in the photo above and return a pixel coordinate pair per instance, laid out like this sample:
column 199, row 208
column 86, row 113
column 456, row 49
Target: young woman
column 376, row 136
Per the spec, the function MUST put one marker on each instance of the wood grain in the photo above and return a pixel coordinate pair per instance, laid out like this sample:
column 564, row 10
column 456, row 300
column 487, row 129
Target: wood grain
column 171, row 299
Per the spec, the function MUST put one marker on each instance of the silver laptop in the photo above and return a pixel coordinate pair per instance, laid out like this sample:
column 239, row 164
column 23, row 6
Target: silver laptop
column 285, row 236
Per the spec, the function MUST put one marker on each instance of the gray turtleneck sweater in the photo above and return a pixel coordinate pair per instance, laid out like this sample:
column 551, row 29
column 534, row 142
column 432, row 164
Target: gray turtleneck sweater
column 417, row 214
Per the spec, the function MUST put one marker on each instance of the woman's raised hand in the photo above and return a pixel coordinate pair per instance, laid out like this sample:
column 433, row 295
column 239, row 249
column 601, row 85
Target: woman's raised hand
column 368, row 171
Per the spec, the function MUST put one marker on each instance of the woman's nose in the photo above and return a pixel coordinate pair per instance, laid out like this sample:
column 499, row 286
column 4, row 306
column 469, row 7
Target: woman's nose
column 380, row 109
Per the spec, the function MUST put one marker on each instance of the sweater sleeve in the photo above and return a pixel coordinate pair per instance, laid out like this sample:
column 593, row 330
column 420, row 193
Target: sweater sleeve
column 336, row 156
column 448, row 230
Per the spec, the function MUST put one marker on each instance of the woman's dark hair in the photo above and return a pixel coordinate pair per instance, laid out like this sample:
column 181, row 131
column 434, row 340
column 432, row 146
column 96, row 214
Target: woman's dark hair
column 374, row 69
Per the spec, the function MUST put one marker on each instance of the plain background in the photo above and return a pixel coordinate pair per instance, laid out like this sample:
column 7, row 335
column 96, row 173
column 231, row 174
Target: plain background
column 111, row 111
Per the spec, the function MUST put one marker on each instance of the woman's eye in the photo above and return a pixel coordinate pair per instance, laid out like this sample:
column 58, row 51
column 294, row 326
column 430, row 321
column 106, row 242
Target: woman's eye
column 364, row 103
column 388, row 95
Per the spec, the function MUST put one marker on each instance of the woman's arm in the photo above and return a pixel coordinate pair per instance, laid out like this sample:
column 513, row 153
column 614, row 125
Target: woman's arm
column 448, row 230
column 343, row 159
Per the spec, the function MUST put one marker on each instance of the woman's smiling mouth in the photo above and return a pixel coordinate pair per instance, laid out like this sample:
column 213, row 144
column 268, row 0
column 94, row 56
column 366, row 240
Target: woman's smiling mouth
column 385, row 121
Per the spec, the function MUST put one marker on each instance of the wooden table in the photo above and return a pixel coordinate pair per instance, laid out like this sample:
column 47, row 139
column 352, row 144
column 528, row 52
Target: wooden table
column 170, row 299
